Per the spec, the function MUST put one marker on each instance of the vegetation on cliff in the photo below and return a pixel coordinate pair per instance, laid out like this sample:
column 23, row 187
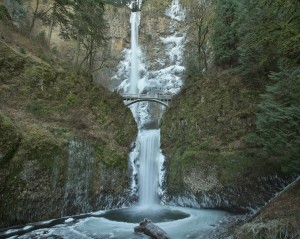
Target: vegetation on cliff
column 263, row 48
column 236, row 122
column 62, row 138
column 279, row 219
column 255, row 104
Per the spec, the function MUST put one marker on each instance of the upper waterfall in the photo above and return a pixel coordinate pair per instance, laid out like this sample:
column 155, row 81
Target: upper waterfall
column 134, row 72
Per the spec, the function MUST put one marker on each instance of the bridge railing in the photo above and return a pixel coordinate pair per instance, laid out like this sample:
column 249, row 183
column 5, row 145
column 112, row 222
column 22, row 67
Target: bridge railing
column 146, row 96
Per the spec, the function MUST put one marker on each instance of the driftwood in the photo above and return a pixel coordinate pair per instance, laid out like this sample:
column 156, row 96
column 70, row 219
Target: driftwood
column 151, row 230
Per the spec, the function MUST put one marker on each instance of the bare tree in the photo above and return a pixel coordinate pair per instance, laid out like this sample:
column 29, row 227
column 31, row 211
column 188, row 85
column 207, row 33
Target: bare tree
column 34, row 15
column 199, row 20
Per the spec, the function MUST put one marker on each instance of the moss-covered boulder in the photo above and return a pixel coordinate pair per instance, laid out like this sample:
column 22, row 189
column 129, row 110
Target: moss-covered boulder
column 9, row 138
column 213, row 159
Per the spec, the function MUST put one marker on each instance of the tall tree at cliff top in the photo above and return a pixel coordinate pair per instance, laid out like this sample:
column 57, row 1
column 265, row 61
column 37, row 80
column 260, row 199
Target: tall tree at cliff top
column 199, row 20
column 269, row 36
column 87, row 27
column 270, row 54
column 279, row 119
column 56, row 15
column 224, row 37
column 261, row 40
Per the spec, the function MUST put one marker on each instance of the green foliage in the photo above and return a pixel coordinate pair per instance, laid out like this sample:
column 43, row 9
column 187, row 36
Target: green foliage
column 269, row 33
column 199, row 19
column 4, row 15
column 260, row 38
column 71, row 98
column 206, row 125
column 279, row 118
column 252, row 139
column 22, row 50
column 108, row 156
column 38, row 109
column 9, row 138
column 225, row 38
column 256, row 35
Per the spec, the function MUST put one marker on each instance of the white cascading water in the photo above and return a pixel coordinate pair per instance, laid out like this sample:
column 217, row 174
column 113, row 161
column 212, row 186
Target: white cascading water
column 148, row 141
column 134, row 72
column 148, row 173
column 147, row 159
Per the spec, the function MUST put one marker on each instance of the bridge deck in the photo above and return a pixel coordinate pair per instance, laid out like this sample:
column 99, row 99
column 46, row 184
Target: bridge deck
column 147, row 97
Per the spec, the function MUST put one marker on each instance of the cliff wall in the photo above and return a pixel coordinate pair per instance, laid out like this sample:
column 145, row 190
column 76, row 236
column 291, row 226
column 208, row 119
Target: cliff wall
column 212, row 157
column 63, row 144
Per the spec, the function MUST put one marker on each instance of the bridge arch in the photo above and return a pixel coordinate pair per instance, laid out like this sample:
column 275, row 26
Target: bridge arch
column 152, row 100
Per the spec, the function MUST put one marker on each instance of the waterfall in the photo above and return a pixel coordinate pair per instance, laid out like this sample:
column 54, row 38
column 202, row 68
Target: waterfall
column 134, row 72
column 146, row 159
column 80, row 163
column 148, row 173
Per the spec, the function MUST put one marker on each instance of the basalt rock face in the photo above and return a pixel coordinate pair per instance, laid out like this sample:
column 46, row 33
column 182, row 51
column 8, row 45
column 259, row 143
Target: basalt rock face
column 119, row 38
column 64, row 143
column 212, row 157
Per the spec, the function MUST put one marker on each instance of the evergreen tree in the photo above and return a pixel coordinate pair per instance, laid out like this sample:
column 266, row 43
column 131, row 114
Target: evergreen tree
column 82, row 21
column 224, row 37
column 269, row 33
column 279, row 118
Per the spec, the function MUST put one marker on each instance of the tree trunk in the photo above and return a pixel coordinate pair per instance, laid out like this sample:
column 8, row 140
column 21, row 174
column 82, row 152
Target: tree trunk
column 51, row 24
column 91, row 58
column 77, row 49
column 151, row 230
column 205, row 59
column 34, row 15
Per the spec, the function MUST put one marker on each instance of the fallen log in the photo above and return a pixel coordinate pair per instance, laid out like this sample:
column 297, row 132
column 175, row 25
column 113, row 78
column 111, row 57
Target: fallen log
column 151, row 230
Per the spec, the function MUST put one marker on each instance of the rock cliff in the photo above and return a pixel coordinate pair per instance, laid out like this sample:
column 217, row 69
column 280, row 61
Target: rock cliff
column 212, row 157
column 64, row 143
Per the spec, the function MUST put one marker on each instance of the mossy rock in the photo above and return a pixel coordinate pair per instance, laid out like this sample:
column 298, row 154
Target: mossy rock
column 40, row 144
column 9, row 138
column 111, row 158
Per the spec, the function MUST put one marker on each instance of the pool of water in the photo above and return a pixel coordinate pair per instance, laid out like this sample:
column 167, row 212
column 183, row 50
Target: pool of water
column 179, row 223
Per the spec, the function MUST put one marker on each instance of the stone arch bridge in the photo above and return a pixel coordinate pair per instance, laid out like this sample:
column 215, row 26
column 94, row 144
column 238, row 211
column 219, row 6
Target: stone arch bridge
column 131, row 99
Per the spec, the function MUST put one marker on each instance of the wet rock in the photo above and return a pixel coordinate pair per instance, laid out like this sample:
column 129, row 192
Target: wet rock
column 153, row 124
column 151, row 230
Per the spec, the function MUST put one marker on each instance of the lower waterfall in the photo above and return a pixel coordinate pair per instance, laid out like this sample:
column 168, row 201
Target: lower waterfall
column 148, row 173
